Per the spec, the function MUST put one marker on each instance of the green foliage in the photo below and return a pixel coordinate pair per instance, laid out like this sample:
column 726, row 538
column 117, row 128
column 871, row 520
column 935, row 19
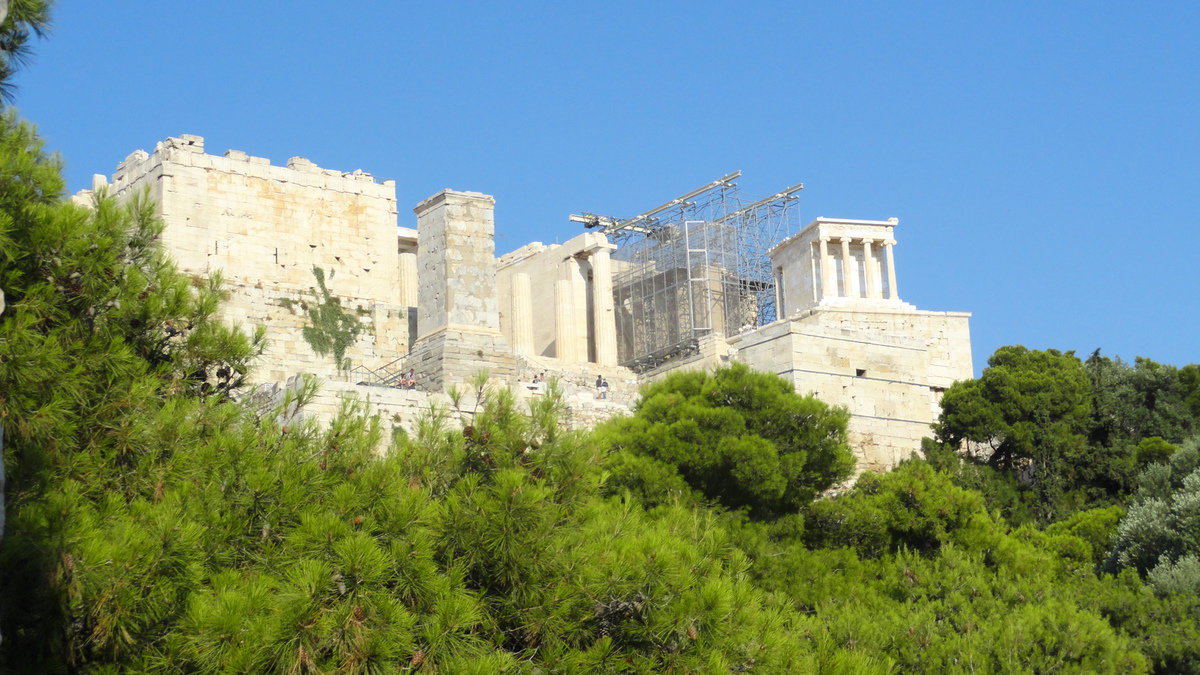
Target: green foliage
column 743, row 439
column 1066, row 434
column 1002, row 491
column 106, row 356
column 1160, row 535
column 25, row 19
column 160, row 525
column 1029, row 407
column 1189, row 383
column 1153, row 450
column 913, row 571
column 1139, row 401
column 1095, row 527
column 331, row 330
column 911, row 508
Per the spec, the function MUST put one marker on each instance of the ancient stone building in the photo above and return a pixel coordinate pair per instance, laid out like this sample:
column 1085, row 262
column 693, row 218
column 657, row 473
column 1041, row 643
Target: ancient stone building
column 823, row 311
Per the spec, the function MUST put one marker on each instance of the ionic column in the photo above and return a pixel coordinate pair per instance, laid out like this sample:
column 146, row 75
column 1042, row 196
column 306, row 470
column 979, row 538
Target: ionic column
column 893, row 294
column 874, row 283
column 408, row 279
column 602, row 302
column 522, row 315
column 565, row 339
column 849, row 271
column 828, row 279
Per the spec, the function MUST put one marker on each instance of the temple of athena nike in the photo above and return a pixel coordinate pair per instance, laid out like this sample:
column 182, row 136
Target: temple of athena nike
column 705, row 279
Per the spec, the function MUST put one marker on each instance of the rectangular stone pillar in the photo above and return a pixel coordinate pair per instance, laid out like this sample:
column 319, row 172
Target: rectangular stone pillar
column 458, row 317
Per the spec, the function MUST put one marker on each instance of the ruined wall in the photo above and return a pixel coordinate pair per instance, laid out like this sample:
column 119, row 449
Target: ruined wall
column 264, row 228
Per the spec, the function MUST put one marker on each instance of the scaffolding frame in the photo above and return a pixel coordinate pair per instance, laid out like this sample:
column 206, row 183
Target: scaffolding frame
column 694, row 266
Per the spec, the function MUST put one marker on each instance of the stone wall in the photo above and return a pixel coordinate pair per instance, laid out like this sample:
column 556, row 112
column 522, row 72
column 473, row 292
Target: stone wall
column 264, row 228
column 404, row 409
column 888, row 368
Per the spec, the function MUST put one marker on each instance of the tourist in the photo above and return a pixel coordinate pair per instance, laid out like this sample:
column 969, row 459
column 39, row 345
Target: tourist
column 604, row 389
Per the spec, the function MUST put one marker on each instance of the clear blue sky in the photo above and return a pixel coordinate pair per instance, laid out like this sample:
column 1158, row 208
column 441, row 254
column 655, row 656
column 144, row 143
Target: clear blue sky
column 1044, row 158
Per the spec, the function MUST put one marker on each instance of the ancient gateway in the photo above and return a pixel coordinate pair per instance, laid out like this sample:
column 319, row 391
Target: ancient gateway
column 705, row 279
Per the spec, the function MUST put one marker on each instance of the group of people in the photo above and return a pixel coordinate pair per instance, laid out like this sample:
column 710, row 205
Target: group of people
column 409, row 380
column 601, row 387
column 539, row 384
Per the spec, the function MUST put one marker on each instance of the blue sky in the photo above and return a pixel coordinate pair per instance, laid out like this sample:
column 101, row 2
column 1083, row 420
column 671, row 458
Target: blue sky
column 1044, row 158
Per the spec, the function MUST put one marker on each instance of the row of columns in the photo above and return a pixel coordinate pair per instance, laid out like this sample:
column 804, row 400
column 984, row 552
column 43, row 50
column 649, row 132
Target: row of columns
column 850, row 283
column 570, row 312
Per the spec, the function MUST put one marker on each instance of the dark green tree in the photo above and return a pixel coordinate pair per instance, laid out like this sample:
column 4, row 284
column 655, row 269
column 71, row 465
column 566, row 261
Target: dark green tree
column 1189, row 381
column 1132, row 402
column 98, row 333
column 1030, row 412
column 158, row 524
column 1027, row 406
column 739, row 438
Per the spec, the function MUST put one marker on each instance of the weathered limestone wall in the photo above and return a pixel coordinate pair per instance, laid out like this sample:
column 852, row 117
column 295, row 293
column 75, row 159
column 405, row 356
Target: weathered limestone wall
column 265, row 228
column 887, row 368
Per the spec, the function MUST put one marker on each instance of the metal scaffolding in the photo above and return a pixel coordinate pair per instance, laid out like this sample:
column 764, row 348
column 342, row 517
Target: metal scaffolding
column 694, row 266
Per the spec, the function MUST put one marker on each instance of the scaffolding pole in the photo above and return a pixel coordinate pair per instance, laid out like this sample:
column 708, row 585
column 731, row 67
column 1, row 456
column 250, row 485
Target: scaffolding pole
column 694, row 266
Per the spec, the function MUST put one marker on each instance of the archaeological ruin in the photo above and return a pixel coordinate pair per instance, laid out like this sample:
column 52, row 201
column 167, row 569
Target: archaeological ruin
column 708, row 278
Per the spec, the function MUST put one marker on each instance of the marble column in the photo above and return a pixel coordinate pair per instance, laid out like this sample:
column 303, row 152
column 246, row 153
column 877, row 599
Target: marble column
column 893, row 294
column 604, row 318
column 522, row 315
column 408, row 279
column 565, row 338
column 828, row 278
column 573, row 272
column 849, row 271
column 874, row 283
